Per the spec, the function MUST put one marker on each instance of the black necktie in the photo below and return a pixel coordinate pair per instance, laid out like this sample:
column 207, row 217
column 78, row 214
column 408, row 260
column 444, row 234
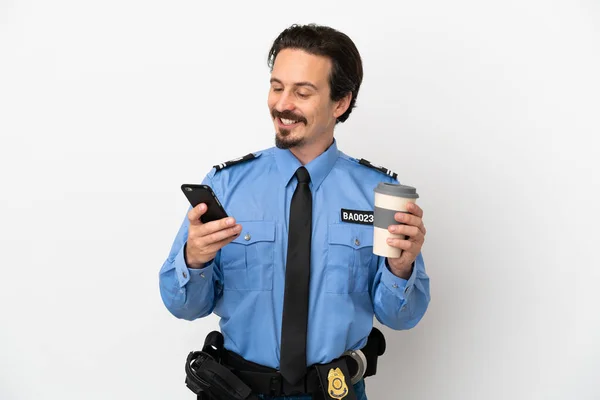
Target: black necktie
column 297, row 276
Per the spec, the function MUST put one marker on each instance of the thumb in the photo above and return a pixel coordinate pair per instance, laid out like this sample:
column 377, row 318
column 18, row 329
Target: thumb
column 195, row 214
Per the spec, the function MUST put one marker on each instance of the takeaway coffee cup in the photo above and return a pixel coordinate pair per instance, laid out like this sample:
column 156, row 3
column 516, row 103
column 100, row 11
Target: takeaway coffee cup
column 390, row 198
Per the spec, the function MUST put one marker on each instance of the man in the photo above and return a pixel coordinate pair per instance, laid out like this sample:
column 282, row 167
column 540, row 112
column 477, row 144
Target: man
column 295, row 283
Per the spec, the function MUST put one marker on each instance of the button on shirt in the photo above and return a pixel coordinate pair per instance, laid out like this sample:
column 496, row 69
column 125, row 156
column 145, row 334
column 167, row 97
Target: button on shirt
column 244, row 284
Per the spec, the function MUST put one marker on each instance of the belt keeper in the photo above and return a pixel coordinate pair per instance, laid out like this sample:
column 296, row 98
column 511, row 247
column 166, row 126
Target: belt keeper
column 275, row 386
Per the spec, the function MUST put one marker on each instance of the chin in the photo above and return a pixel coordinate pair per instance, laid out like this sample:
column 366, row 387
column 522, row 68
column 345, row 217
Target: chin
column 284, row 140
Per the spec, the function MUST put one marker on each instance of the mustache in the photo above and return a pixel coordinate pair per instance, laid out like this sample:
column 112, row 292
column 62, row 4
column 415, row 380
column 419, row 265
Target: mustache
column 288, row 115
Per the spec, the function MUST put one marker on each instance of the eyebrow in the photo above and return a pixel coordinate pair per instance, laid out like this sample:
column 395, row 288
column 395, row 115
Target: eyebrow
column 295, row 84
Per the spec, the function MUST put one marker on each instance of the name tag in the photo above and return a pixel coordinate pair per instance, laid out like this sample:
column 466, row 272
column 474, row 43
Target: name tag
column 357, row 216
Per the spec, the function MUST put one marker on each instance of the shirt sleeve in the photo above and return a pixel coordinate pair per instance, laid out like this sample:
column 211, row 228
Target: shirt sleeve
column 400, row 303
column 188, row 293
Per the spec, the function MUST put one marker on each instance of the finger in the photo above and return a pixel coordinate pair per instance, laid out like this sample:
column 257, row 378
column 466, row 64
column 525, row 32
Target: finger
column 195, row 213
column 413, row 208
column 218, row 225
column 402, row 244
column 410, row 250
column 222, row 234
column 408, row 219
column 408, row 230
column 213, row 248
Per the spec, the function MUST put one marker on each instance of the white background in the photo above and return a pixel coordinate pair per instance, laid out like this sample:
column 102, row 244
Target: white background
column 491, row 109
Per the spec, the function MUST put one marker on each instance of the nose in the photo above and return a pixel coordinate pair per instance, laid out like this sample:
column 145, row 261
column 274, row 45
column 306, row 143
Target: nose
column 284, row 102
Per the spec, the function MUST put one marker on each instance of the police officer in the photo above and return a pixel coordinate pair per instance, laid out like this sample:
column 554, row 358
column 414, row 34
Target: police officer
column 236, row 267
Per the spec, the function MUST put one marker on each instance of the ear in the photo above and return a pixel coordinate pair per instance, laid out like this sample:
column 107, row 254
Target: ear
column 342, row 105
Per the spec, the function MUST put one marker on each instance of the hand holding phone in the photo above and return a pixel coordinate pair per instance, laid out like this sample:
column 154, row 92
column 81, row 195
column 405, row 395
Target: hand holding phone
column 210, row 228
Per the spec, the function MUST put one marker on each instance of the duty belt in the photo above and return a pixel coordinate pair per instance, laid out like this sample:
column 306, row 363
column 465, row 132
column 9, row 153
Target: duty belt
column 219, row 374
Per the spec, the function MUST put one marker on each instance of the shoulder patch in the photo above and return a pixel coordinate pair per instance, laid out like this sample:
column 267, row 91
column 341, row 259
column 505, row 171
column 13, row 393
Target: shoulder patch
column 235, row 161
column 378, row 168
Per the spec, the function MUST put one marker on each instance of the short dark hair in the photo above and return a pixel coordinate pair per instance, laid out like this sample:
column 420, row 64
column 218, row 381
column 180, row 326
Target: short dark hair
column 346, row 71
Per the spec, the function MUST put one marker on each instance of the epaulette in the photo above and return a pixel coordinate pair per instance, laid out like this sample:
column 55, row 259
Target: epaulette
column 235, row 161
column 378, row 168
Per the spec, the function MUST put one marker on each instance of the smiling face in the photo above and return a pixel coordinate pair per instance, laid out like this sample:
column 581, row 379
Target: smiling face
column 299, row 100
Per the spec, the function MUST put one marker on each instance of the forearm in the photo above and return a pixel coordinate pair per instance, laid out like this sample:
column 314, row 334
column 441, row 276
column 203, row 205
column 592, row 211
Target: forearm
column 401, row 303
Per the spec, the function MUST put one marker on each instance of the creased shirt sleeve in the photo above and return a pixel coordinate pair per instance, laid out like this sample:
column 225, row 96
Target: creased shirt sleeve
column 400, row 303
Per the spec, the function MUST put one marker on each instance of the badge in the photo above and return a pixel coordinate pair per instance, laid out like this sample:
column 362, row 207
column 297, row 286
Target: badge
column 337, row 384
column 357, row 216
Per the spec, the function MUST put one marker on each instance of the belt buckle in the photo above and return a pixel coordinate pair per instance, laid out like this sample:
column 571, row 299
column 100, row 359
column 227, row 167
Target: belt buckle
column 360, row 359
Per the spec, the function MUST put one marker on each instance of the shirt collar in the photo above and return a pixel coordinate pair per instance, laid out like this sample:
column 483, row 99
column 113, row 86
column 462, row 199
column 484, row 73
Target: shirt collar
column 318, row 168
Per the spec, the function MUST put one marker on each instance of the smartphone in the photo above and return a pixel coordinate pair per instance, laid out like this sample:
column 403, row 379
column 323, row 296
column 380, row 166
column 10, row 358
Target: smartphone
column 197, row 194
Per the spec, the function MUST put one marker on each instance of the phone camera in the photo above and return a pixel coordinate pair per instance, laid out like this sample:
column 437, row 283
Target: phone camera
column 188, row 189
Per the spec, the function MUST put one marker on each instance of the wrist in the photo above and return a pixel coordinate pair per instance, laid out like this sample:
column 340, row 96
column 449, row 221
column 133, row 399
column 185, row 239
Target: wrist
column 401, row 271
column 190, row 263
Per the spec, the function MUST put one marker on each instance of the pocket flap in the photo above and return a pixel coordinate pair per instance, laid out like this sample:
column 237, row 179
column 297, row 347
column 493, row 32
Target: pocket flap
column 256, row 231
column 354, row 236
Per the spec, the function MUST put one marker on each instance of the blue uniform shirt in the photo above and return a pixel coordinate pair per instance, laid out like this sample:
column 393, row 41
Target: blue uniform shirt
column 244, row 284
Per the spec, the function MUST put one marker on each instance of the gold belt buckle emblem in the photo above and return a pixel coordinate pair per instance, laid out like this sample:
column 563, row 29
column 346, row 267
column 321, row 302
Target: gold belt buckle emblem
column 337, row 384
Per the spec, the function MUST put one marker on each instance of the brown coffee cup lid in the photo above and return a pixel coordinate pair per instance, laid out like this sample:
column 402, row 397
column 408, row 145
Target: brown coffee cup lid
column 397, row 190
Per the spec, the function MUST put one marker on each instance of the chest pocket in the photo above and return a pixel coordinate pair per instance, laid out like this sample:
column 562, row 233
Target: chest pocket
column 247, row 262
column 350, row 255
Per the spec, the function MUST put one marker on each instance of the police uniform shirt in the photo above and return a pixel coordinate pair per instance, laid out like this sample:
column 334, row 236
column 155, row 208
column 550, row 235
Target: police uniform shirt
column 244, row 284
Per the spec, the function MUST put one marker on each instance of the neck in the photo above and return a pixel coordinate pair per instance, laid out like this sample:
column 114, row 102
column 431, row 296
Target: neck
column 309, row 152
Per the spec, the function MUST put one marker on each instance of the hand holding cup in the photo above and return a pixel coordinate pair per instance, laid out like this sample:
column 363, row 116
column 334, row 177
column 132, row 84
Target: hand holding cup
column 399, row 232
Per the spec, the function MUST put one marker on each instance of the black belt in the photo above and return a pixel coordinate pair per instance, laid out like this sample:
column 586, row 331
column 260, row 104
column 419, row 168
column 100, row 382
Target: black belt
column 268, row 381
column 217, row 373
